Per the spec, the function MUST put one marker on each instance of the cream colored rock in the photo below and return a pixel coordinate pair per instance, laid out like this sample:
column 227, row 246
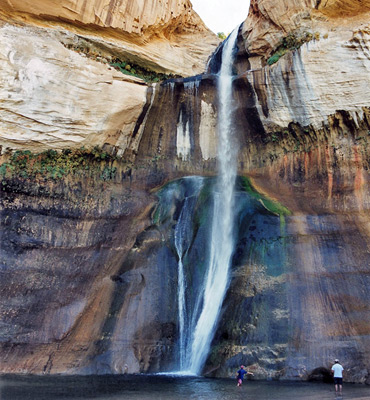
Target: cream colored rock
column 167, row 36
column 327, row 74
column 269, row 21
column 311, row 84
column 52, row 97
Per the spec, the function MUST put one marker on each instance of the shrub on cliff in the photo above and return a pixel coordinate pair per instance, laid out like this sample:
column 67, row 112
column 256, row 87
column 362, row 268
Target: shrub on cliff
column 291, row 42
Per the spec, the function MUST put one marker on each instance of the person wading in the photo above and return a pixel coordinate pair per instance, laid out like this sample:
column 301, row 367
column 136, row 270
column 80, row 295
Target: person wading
column 240, row 375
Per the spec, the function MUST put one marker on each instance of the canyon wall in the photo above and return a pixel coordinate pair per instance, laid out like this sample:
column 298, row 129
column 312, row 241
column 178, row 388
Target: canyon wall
column 167, row 36
column 62, row 64
column 89, row 268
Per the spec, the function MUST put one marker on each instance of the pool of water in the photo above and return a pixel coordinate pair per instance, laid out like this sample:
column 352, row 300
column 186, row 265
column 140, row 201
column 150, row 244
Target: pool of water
column 153, row 387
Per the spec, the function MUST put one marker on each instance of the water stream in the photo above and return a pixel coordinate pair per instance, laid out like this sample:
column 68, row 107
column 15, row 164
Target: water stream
column 183, row 236
column 221, row 241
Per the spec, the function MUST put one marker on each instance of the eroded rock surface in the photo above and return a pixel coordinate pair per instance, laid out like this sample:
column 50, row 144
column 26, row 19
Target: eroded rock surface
column 53, row 97
column 268, row 22
column 60, row 91
column 299, row 293
column 168, row 36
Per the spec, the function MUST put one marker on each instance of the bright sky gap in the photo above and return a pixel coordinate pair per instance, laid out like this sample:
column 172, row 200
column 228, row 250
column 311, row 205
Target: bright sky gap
column 221, row 15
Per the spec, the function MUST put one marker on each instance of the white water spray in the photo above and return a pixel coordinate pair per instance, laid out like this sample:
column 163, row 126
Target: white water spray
column 221, row 246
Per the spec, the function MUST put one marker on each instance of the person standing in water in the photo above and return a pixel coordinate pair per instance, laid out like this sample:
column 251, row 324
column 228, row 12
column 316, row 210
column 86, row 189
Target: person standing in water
column 337, row 370
column 240, row 375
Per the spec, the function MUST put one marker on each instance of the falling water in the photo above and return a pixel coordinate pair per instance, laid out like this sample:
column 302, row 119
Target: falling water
column 183, row 237
column 221, row 245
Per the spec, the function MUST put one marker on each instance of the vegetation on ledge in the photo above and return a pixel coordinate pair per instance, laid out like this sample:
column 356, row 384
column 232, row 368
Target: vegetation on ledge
column 126, row 67
column 221, row 35
column 55, row 165
column 290, row 43
column 146, row 74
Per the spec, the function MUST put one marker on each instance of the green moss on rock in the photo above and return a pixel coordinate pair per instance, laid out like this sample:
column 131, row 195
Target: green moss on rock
column 274, row 207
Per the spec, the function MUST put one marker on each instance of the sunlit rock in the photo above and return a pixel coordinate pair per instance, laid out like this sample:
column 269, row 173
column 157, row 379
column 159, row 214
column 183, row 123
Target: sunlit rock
column 167, row 36
column 52, row 97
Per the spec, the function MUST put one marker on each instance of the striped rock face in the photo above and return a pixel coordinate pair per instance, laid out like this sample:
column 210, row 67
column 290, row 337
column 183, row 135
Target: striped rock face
column 89, row 262
column 167, row 36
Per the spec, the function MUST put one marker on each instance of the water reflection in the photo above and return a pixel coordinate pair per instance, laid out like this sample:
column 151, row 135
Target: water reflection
column 149, row 387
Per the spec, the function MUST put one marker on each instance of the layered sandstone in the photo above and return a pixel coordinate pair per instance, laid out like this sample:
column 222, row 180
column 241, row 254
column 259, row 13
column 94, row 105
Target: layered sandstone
column 167, row 36
column 268, row 22
column 323, row 71
column 53, row 97
column 59, row 90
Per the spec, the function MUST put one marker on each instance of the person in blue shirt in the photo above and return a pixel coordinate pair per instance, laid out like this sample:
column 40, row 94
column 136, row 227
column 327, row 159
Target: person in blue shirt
column 240, row 375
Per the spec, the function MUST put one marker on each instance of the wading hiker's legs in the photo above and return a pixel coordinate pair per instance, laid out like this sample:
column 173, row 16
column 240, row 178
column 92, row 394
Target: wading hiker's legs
column 338, row 385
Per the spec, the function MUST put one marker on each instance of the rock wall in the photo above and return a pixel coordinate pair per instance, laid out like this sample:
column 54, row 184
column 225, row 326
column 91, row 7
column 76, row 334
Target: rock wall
column 299, row 289
column 53, row 97
column 168, row 36
column 60, row 89
column 60, row 260
column 268, row 22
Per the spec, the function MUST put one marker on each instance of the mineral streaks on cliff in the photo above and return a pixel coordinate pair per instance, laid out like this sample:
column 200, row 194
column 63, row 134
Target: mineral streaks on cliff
column 62, row 245
column 300, row 300
column 269, row 22
column 311, row 84
column 167, row 35
column 180, row 129
column 52, row 97
column 325, row 74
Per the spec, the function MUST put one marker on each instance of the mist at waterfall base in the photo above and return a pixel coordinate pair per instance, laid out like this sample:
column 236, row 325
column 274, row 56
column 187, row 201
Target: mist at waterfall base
column 145, row 387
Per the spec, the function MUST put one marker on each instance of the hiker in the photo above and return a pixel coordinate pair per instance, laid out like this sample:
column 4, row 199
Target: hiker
column 337, row 370
column 240, row 375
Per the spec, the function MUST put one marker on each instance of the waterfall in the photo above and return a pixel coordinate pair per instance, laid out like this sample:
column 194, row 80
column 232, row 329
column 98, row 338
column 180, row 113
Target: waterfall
column 183, row 236
column 221, row 244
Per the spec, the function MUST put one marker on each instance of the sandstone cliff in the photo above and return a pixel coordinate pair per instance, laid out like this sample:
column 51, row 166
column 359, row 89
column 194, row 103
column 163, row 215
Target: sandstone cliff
column 168, row 35
column 59, row 87
column 87, row 235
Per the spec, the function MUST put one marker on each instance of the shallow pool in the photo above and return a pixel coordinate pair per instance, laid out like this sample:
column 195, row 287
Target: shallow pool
column 152, row 387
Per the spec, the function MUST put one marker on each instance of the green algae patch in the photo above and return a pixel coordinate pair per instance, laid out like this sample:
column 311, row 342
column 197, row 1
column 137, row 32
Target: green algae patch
column 160, row 214
column 274, row 207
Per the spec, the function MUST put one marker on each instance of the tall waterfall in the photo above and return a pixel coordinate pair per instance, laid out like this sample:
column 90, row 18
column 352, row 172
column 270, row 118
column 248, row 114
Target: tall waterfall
column 221, row 246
